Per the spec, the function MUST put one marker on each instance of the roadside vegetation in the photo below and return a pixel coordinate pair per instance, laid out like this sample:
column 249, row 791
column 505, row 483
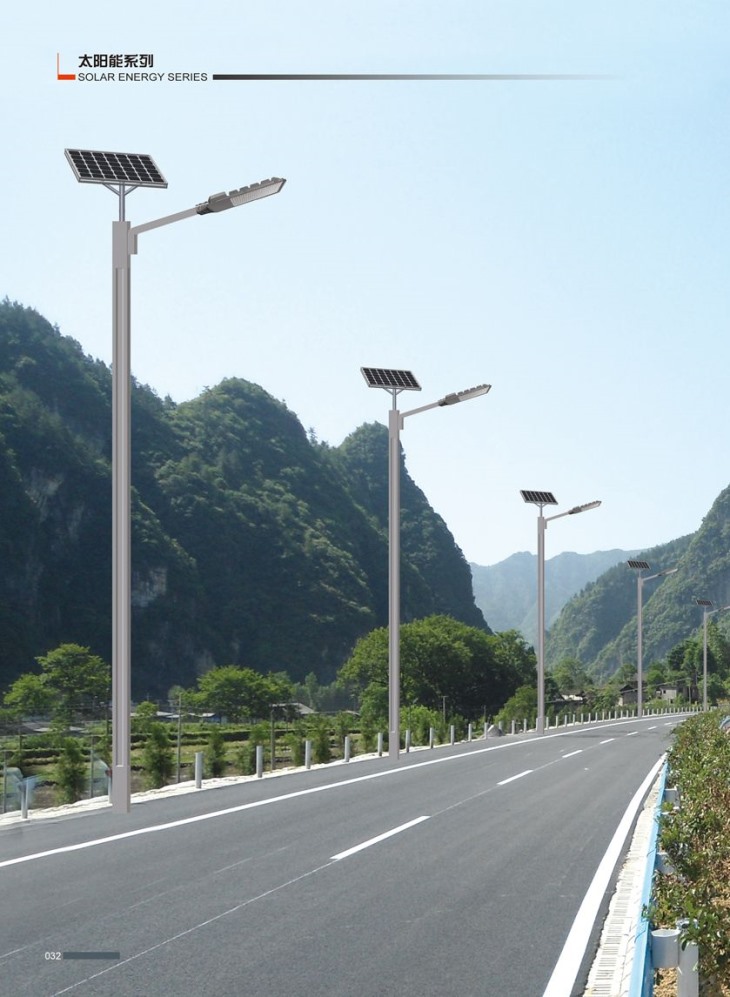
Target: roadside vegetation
column 696, row 838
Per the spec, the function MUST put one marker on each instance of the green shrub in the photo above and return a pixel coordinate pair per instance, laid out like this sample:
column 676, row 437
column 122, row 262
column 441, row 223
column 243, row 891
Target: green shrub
column 321, row 748
column 157, row 757
column 71, row 771
column 246, row 758
column 368, row 736
column 295, row 740
column 215, row 755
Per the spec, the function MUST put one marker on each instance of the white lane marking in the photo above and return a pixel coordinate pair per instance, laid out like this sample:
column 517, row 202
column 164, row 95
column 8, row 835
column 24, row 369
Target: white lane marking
column 566, row 969
column 653, row 728
column 376, row 839
column 631, row 733
column 571, row 753
column 513, row 777
column 608, row 740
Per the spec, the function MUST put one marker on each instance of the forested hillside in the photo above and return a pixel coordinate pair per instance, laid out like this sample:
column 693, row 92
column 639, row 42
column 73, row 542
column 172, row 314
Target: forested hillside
column 599, row 625
column 252, row 544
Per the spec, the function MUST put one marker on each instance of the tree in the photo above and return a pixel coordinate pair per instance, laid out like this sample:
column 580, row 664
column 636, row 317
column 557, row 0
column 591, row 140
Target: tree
column 570, row 676
column 144, row 716
column 236, row 693
column 29, row 696
column 439, row 657
column 78, row 680
column 521, row 706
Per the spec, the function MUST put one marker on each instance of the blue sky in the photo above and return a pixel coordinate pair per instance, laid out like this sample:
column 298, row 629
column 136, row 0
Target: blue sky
column 565, row 241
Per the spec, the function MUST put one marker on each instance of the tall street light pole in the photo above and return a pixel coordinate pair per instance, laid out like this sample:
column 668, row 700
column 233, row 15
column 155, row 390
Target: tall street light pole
column 122, row 173
column 706, row 603
column 395, row 381
column 641, row 579
column 541, row 499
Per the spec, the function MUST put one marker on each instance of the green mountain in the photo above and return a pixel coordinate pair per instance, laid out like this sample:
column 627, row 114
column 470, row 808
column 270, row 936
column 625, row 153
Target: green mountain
column 506, row 592
column 599, row 625
column 251, row 543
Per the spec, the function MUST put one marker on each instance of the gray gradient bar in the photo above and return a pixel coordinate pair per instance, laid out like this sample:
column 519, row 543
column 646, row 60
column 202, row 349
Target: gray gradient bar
column 409, row 76
column 91, row 955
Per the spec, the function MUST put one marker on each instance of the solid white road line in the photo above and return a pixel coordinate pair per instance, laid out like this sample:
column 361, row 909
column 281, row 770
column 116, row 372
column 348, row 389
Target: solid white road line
column 566, row 969
column 377, row 838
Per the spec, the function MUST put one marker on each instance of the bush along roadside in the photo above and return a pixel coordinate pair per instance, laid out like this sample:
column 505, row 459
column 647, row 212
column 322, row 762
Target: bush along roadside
column 695, row 834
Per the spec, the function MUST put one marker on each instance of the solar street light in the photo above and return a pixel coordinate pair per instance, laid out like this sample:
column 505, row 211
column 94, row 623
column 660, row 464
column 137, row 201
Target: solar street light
column 541, row 499
column 122, row 173
column 395, row 381
column 706, row 603
column 640, row 579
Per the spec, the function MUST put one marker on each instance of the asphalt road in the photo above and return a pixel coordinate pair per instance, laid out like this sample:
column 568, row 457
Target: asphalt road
column 263, row 889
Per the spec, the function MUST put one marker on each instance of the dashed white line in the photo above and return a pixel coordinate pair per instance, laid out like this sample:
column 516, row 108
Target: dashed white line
column 608, row 740
column 571, row 753
column 513, row 777
column 377, row 838
column 631, row 733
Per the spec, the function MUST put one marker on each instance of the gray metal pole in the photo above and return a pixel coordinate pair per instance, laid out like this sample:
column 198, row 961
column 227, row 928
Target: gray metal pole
column 639, row 650
column 179, row 736
column 540, row 721
column 704, row 663
column 121, row 520
column 394, row 424
column 91, row 766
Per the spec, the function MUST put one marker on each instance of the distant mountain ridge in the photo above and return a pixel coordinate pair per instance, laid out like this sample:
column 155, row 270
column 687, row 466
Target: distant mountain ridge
column 599, row 625
column 506, row 592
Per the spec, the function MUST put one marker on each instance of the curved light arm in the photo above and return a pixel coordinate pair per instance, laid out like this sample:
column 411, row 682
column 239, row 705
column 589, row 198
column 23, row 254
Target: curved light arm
column 451, row 399
column 574, row 511
column 660, row 574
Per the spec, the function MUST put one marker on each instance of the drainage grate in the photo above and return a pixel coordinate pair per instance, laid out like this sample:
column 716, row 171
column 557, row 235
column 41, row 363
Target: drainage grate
column 610, row 975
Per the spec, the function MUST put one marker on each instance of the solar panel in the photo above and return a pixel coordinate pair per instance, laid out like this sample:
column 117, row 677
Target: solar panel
column 643, row 565
column 539, row 498
column 703, row 602
column 379, row 377
column 91, row 166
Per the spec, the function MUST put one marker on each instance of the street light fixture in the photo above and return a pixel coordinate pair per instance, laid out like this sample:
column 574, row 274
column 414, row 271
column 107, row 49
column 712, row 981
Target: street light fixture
column 541, row 499
column 640, row 579
column 706, row 603
column 395, row 381
column 122, row 173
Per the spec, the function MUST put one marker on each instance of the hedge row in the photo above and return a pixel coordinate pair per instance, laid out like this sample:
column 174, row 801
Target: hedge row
column 696, row 838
